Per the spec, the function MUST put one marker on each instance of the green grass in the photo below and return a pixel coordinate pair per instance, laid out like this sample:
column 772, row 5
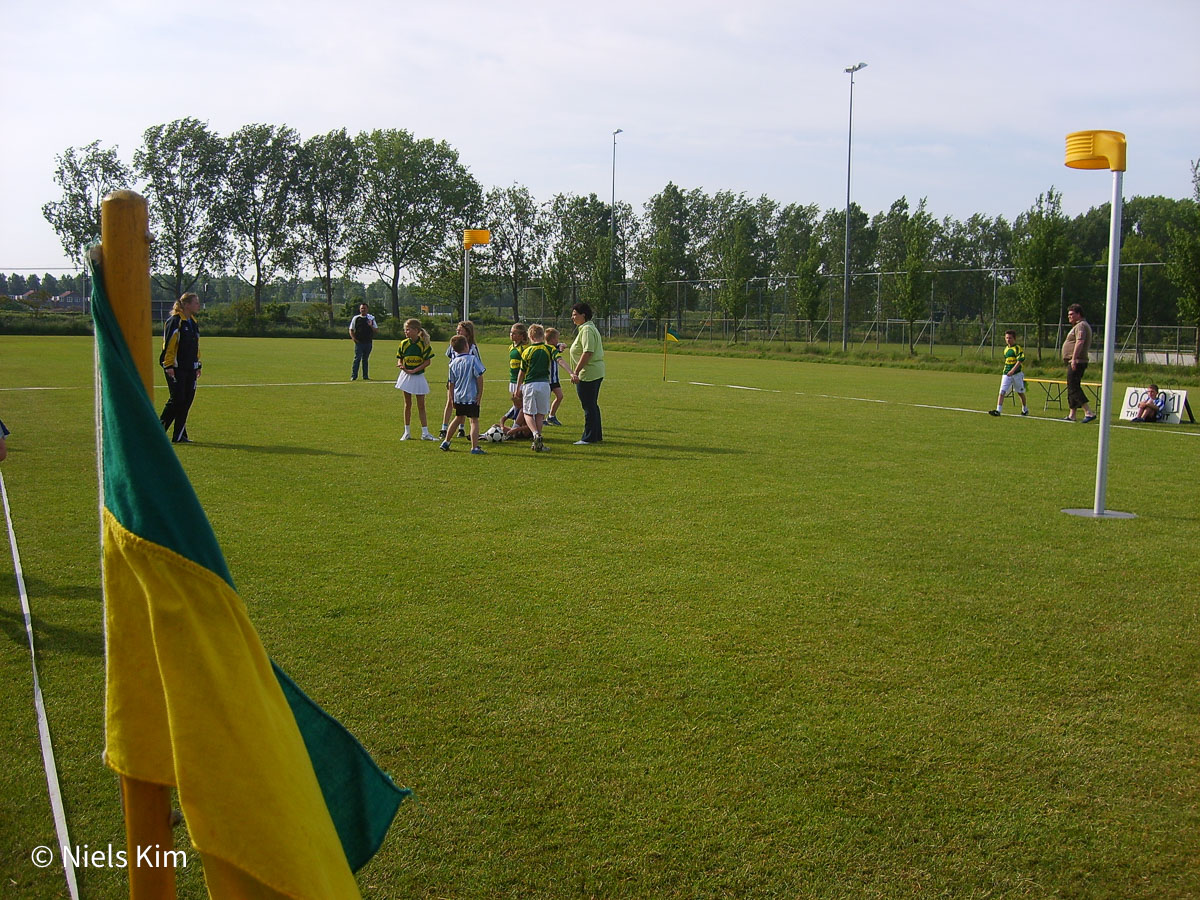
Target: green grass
column 774, row 643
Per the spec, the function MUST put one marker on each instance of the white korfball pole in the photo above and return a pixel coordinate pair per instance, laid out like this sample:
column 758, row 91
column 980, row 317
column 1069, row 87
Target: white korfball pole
column 466, row 282
column 471, row 237
column 1104, row 150
column 1110, row 334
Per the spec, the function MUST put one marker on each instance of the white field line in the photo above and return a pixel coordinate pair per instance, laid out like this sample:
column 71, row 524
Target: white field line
column 735, row 387
column 978, row 412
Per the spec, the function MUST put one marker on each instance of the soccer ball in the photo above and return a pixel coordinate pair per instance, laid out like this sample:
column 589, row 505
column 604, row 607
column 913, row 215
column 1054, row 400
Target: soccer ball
column 494, row 434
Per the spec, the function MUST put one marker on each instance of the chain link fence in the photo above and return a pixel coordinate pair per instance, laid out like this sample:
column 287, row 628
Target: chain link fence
column 968, row 312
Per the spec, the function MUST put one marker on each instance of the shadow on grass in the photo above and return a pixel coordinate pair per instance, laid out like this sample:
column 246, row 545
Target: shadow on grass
column 275, row 448
column 47, row 636
column 618, row 447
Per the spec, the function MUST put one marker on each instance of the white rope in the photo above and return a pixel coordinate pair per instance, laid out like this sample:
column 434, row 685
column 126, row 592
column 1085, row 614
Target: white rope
column 56, row 802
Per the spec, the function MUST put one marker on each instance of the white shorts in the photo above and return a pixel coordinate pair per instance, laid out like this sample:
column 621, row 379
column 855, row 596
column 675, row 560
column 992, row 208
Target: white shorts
column 412, row 384
column 1008, row 382
column 535, row 398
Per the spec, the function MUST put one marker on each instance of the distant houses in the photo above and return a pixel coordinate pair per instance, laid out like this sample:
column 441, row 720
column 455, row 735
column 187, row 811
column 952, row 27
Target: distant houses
column 71, row 301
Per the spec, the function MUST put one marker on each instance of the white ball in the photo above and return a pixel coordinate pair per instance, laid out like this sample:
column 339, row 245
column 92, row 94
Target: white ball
column 494, row 434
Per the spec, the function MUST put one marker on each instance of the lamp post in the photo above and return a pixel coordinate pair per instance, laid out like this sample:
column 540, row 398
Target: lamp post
column 849, row 144
column 612, row 219
column 471, row 237
column 1104, row 150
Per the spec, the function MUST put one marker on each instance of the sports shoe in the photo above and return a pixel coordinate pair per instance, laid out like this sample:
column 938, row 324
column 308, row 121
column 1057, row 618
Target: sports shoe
column 442, row 431
column 1068, row 418
column 1024, row 412
column 1090, row 418
column 406, row 436
column 462, row 432
column 365, row 378
column 537, row 444
column 426, row 436
column 584, row 443
column 553, row 420
column 993, row 412
column 478, row 451
column 445, row 445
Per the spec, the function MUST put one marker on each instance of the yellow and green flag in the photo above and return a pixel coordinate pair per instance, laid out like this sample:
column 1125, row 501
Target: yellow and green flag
column 671, row 335
column 278, row 797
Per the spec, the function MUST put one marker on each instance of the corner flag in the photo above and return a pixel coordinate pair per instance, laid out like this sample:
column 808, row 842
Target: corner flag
column 279, row 799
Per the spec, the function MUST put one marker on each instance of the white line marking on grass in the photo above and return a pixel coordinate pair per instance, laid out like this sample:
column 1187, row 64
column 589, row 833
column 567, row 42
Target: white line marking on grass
column 978, row 412
column 39, row 704
column 68, row 388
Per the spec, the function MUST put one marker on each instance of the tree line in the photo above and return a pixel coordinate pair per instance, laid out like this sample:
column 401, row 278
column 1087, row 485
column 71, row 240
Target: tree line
column 261, row 204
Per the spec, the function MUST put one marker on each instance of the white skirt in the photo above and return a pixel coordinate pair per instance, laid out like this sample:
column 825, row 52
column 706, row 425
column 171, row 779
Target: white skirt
column 412, row 384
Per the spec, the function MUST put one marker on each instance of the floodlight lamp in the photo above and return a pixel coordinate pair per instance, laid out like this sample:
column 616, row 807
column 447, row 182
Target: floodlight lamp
column 852, row 69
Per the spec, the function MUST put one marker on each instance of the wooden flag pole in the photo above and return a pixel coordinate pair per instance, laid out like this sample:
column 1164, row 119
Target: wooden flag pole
column 665, row 327
column 125, row 243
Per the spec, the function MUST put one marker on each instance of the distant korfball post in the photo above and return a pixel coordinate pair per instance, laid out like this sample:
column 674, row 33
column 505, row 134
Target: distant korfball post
column 471, row 238
column 1104, row 150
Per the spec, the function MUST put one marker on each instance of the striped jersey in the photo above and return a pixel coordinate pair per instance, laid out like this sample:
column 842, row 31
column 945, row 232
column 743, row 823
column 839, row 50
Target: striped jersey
column 514, row 362
column 413, row 353
column 1012, row 356
column 535, row 362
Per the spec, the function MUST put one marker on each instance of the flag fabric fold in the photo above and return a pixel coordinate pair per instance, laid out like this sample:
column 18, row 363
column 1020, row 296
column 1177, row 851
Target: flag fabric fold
column 671, row 335
column 279, row 799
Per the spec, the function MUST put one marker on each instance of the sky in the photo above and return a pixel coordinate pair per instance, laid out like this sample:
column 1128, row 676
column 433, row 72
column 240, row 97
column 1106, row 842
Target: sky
column 964, row 103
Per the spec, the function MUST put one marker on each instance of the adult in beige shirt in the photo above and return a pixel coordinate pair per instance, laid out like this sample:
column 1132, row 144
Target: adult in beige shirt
column 1075, row 355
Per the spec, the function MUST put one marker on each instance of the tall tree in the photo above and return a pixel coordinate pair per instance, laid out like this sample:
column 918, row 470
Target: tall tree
column 1040, row 254
column 733, row 227
column 182, row 165
column 519, row 238
column 85, row 176
column 260, row 202
column 579, row 246
column 810, row 285
column 916, row 275
column 417, row 198
column 831, row 232
column 973, row 253
column 666, row 251
column 1183, row 261
column 329, row 173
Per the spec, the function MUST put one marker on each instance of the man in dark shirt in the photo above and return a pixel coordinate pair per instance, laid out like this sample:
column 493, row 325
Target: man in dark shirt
column 362, row 332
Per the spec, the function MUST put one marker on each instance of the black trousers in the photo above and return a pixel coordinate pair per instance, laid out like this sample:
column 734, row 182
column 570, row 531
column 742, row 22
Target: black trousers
column 183, row 392
column 589, row 396
column 1076, row 398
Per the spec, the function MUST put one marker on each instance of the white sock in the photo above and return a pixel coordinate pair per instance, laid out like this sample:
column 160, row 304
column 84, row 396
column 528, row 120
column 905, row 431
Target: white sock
column 1000, row 407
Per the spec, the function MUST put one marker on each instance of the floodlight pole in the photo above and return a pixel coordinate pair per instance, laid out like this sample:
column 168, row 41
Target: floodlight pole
column 849, row 145
column 1104, row 150
column 612, row 221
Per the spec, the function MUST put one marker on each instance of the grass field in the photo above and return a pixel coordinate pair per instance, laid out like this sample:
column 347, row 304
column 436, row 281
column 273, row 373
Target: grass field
column 830, row 637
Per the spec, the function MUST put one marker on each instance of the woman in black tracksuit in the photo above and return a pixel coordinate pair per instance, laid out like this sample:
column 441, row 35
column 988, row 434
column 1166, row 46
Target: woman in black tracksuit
column 180, row 359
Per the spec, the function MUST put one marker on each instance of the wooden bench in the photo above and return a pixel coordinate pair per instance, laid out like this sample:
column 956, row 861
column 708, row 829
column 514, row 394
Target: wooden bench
column 1056, row 390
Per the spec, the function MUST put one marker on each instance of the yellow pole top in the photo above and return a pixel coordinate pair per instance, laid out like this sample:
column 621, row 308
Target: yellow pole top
column 1096, row 150
column 473, row 236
